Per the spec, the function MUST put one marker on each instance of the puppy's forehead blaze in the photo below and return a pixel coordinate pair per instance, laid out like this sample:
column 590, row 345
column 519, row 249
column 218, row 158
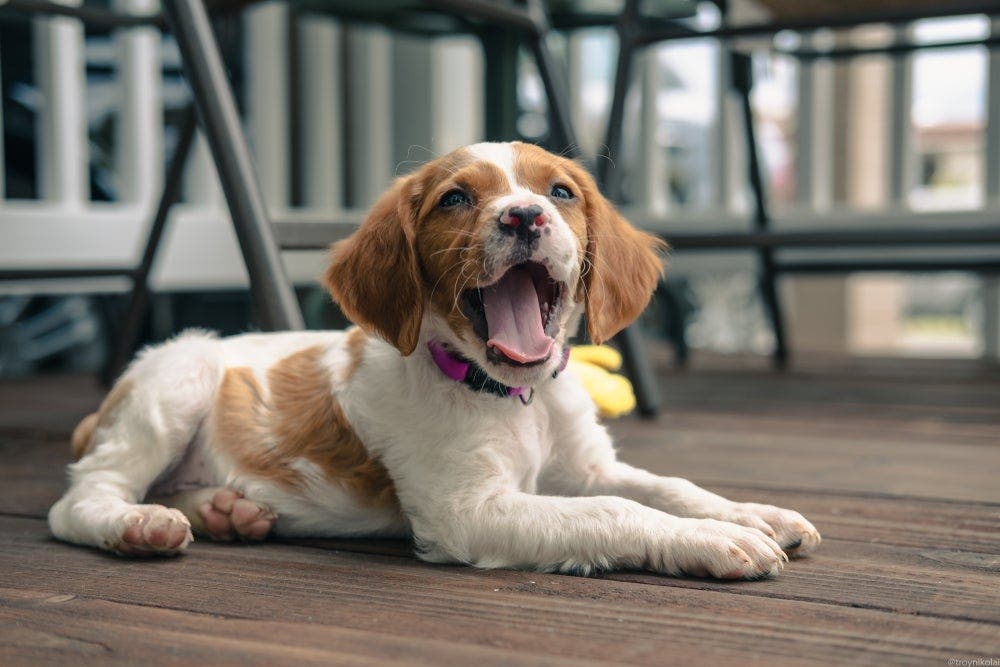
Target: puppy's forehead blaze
column 538, row 170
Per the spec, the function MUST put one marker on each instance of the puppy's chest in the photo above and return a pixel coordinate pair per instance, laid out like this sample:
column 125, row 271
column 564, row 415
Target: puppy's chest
column 530, row 448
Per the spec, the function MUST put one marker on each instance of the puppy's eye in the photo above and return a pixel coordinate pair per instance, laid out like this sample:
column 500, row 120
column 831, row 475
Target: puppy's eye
column 454, row 198
column 561, row 192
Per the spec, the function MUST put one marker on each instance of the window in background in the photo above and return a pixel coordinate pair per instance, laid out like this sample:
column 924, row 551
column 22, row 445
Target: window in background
column 936, row 314
column 924, row 315
column 685, row 113
column 593, row 52
column 948, row 115
column 932, row 315
column 667, row 152
column 775, row 106
column 532, row 119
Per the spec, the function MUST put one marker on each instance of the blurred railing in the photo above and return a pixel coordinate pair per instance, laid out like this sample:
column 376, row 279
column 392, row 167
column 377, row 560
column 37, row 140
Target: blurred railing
column 332, row 113
column 294, row 115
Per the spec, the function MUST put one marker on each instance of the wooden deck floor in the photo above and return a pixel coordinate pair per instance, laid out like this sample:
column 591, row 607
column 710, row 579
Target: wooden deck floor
column 898, row 465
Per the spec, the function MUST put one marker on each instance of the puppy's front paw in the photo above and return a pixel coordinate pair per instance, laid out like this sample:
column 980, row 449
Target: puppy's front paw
column 153, row 530
column 710, row 548
column 789, row 528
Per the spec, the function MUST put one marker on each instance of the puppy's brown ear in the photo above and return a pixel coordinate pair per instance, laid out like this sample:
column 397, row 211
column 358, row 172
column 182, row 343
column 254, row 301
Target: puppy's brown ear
column 622, row 269
column 374, row 276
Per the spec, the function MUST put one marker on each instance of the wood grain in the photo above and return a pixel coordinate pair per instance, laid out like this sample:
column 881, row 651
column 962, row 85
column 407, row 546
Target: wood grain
column 38, row 627
column 547, row 615
column 896, row 463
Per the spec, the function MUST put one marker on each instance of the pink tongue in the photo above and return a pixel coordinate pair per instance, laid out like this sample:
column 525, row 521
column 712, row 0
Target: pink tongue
column 514, row 319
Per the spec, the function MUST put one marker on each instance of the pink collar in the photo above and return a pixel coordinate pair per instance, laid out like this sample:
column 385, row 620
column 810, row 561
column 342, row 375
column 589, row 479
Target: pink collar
column 471, row 374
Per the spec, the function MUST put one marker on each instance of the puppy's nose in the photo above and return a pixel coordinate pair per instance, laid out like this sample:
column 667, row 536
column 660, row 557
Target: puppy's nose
column 523, row 220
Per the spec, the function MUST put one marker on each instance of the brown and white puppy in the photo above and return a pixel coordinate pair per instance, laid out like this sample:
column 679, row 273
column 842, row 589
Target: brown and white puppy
column 444, row 414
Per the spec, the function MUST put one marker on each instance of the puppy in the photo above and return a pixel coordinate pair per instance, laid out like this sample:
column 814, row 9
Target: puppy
column 445, row 414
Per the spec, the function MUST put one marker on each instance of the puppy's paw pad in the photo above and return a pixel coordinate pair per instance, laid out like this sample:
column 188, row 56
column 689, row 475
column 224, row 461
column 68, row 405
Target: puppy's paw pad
column 153, row 530
column 229, row 516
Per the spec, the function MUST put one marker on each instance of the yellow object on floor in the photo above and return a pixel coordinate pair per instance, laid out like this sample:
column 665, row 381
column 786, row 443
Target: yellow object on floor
column 611, row 392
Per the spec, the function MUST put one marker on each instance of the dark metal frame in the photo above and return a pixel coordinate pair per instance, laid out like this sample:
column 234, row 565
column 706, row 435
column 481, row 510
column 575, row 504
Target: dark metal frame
column 629, row 341
column 215, row 104
column 128, row 334
column 277, row 307
column 742, row 78
column 636, row 32
column 271, row 289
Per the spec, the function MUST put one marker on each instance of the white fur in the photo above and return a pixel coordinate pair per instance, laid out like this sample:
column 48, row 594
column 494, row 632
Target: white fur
column 480, row 479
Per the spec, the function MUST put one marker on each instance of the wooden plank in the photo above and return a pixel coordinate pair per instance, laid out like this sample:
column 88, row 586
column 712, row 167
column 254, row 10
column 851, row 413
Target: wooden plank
column 880, row 519
column 925, row 428
column 41, row 628
column 834, row 366
column 933, row 581
column 805, row 461
column 724, row 390
column 549, row 615
column 936, row 579
column 33, row 474
column 48, row 403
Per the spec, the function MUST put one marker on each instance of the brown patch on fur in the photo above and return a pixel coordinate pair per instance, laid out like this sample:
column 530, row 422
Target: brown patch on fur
column 83, row 436
column 410, row 252
column 82, row 440
column 300, row 419
column 374, row 275
column 450, row 242
column 356, row 339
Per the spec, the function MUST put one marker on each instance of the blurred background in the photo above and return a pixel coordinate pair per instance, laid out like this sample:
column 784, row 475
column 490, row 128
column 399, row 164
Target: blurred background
column 334, row 111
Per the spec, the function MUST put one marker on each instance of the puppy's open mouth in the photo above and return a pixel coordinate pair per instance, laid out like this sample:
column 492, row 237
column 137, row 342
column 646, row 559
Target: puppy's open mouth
column 516, row 315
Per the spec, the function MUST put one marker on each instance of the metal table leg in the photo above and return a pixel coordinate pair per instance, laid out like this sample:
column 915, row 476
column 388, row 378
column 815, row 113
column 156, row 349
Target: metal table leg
column 742, row 81
column 630, row 340
column 557, row 96
column 500, row 46
column 139, row 299
column 610, row 179
column 270, row 287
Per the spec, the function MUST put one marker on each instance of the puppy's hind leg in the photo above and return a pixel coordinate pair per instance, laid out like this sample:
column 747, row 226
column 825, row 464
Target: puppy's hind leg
column 223, row 513
column 141, row 431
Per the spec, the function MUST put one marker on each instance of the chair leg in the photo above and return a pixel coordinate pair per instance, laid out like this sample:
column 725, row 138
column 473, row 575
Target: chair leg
column 500, row 47
column 742, row 81
column 609, row 178
column 273, row 295
column 639, row 371
column 139, row 299
column 629, row 340
column 557, row 95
